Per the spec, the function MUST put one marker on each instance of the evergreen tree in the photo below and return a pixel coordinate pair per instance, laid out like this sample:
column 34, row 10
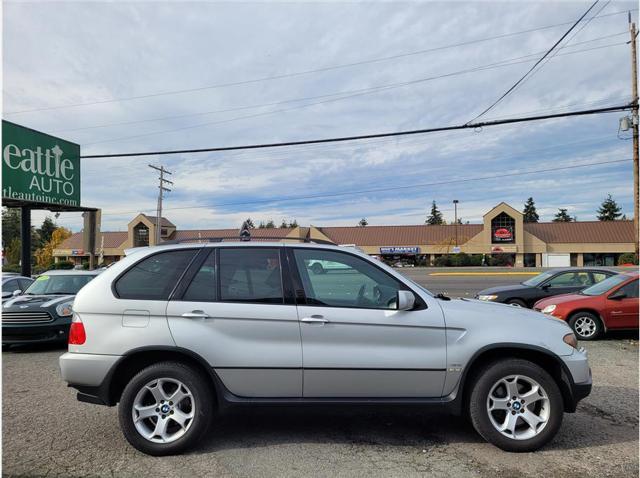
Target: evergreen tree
column 293, row 223
column 270, row 224
column 530, row 213
column 283, row 224
column 609, row 210
column 562, row 216
column 363, row 222
column 10, row 226
column 435, row 217
column 46, row 230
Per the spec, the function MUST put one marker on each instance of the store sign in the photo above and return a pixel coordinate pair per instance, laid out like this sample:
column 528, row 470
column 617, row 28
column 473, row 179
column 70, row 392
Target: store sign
column 456, row 250
column 37, row 167
column 399, row 250
column 77, row 252
column 502, row 234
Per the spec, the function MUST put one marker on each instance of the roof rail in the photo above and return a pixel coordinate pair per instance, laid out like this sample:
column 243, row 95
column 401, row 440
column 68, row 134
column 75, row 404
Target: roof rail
column 251, row 238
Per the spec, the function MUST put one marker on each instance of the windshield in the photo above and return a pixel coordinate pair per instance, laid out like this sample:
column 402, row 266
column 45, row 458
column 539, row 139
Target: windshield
column 539, row 279
column 602, row 287
column 58, row 284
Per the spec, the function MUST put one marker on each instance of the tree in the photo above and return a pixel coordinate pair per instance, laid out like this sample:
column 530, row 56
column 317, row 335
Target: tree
column 45, row 231
column 609, row 210
column 249, row 223
column 10, row 225
column 44, row 255
column 293, row 223
column 283, row 224
column 530, row 213
column 363, row 222
column 12, row 251
column 435, row 217
column 562, row 216
column 270, row 224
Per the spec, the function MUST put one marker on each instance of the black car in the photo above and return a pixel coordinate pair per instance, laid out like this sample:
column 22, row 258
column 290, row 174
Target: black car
column 43, row 312
column 552, row 282
column 14, row 284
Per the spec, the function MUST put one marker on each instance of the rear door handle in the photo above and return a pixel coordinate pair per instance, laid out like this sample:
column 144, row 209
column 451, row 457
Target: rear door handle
column 314, row 319
column 196, row 314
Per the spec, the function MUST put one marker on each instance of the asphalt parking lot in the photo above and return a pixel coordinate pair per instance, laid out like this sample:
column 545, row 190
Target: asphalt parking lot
column 46, row 432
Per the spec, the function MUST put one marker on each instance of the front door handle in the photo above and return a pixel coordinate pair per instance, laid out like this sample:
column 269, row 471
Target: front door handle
column 314, row 319
column 616, row 312
column 196, row 314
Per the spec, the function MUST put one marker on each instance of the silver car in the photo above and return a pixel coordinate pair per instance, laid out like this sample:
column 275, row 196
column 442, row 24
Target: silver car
column 173, row 333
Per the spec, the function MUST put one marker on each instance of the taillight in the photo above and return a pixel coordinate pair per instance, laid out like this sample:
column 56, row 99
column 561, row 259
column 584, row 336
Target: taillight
column 77, row 335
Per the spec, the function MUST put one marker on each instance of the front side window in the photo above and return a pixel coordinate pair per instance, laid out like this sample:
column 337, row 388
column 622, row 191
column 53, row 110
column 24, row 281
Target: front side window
column 570, row 279
column 10, row 286
column 344, row 281
column 630, row 290
column 605, row 285
column 154, row 277
column 251, row 275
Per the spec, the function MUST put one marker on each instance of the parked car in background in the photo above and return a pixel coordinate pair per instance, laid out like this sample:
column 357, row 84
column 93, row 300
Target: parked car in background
column 174, row 333
column 13, row 284
column 552, row 282
column 43, row 312
column 610, row 304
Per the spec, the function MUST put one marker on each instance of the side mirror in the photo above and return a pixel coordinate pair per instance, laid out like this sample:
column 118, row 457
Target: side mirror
column 545, row 287
column 617, row 295
column 16, row 293
column 405, row 300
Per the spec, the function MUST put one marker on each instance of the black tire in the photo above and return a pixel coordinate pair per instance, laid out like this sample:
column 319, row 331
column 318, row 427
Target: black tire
column 478, row 399
column 203, row 400
column 317, row 268
column 518, row 302
column 586, row 325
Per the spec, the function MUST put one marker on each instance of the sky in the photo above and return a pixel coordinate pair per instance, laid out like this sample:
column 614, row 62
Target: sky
column 149, row 76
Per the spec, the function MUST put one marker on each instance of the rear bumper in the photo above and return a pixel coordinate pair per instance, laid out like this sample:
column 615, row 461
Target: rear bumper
column 88, row 374
column 31, row 334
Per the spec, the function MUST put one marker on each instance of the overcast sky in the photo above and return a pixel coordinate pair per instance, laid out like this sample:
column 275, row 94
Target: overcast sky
column 89, row 54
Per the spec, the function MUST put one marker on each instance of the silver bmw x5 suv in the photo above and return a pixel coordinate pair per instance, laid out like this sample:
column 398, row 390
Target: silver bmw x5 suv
column 175, row 333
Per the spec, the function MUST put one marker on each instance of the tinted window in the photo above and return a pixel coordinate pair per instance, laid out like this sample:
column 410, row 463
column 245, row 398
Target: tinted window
column 24, row 283
column 604, row 286
column 153, row 278
column 344, row 280
column 539, row 279
column 631, row 289
column 251, row 275
column 570, row 279
column 10, row 286
column 203, row 285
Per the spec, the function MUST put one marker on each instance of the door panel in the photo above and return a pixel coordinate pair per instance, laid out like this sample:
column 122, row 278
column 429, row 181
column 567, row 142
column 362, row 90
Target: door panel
column 623, row 313
column 251, row 340
column 355, row 342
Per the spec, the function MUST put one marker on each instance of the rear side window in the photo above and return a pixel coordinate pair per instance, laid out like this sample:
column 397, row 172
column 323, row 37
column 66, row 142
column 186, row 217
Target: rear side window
column 153, row 278
column 251, row 275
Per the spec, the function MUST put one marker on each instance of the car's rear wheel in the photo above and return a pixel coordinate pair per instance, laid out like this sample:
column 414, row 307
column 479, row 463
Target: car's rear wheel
column 585, row 325
column 165, row 408
column 516, row 405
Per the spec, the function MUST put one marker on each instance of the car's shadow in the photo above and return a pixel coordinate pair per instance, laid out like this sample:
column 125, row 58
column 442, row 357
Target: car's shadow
column 592, row 425
column 36, row 347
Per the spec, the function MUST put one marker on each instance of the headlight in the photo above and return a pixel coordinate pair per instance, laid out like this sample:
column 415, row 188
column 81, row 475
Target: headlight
column 65, row 309
column 487, row 297
column 548, row 309
column 571, row 340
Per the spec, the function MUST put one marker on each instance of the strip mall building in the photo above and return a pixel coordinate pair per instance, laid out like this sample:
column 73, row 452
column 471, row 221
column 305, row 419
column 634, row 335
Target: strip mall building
column 503, row 231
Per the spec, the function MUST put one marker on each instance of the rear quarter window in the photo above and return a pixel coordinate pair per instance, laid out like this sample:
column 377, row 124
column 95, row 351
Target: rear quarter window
column 154, row 277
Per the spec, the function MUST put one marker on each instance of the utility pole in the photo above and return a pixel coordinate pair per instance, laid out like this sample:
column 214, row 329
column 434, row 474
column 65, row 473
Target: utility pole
column 455, row 220
column 161, row 191
column 634, row 126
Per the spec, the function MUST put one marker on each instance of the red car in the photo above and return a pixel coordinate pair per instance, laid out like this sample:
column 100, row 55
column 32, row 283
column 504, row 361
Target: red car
column 607, row 305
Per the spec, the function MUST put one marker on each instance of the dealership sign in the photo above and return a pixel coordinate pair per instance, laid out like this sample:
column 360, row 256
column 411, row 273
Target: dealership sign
column 502, row 234
column 399, row 250
column 39, row 168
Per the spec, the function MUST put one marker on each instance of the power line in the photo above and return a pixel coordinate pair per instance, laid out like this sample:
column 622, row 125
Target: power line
column 387, row 189
column 478, row 125
column 303, row 72
column 499, row 64
column 515, row 85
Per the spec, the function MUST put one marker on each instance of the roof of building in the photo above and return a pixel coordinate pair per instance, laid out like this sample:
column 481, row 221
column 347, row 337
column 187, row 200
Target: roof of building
column 111, row 240
column 400, row 235
column 164, row 222
column 582, row 232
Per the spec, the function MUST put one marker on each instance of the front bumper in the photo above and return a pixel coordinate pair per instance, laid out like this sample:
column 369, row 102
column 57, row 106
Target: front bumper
column 56, row 331
column 578, row 379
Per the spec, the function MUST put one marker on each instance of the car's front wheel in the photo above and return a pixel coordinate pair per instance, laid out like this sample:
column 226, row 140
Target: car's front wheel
column 516, row 405
column 586, row 325
column 165, row 408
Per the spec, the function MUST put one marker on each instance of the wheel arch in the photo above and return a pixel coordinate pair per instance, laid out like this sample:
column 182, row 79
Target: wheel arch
column 591, row 311
column 137, row 359
column 547, row 360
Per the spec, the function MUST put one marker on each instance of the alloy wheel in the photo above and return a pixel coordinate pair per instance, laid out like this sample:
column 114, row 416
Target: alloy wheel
column 585, row 327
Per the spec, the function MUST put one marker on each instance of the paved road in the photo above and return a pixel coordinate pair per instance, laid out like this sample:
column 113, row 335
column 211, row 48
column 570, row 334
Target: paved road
column 441, row 280
column 46, row 432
